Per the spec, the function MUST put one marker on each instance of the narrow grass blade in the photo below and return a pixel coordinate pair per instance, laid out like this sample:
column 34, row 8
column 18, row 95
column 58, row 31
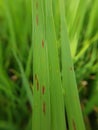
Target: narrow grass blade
column 74, row 114
column 41, row 93
column 56, row 96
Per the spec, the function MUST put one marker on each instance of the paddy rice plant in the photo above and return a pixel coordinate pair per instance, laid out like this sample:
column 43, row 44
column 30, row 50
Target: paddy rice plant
column 51, row 81
column 48, row 65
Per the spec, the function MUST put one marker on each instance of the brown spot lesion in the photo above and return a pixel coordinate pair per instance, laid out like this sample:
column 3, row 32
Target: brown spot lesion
column 43, row 90
column 43, row 43
column 37, row 82
column 44, row 108
column 74, row 125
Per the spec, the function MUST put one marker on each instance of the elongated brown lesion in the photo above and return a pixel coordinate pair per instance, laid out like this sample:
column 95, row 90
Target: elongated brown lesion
column 44, row 108
column 37, row 82
column 43, row 43
column 43, row 90
column 74, row 125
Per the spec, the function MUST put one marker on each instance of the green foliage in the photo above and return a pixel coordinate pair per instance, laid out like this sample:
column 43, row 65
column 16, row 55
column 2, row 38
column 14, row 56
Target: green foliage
column 36, row 65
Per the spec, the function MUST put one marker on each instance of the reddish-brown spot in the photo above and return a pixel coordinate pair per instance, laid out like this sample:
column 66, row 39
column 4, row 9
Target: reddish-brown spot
column 44, row 108
column 37, row 83
column 74, row 125
column 43, row 90
column 37, row 20
column 36, row 5
column 43, row 43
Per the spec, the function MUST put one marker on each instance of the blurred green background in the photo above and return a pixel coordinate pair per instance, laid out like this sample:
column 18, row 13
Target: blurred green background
column 16, row 55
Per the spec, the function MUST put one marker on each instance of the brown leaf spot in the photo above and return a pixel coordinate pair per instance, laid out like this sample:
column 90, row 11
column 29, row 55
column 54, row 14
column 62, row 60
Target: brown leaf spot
column 74, row 125
column 44, row 108
column 37, row 82
column 43, row 43
column 43, row 90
